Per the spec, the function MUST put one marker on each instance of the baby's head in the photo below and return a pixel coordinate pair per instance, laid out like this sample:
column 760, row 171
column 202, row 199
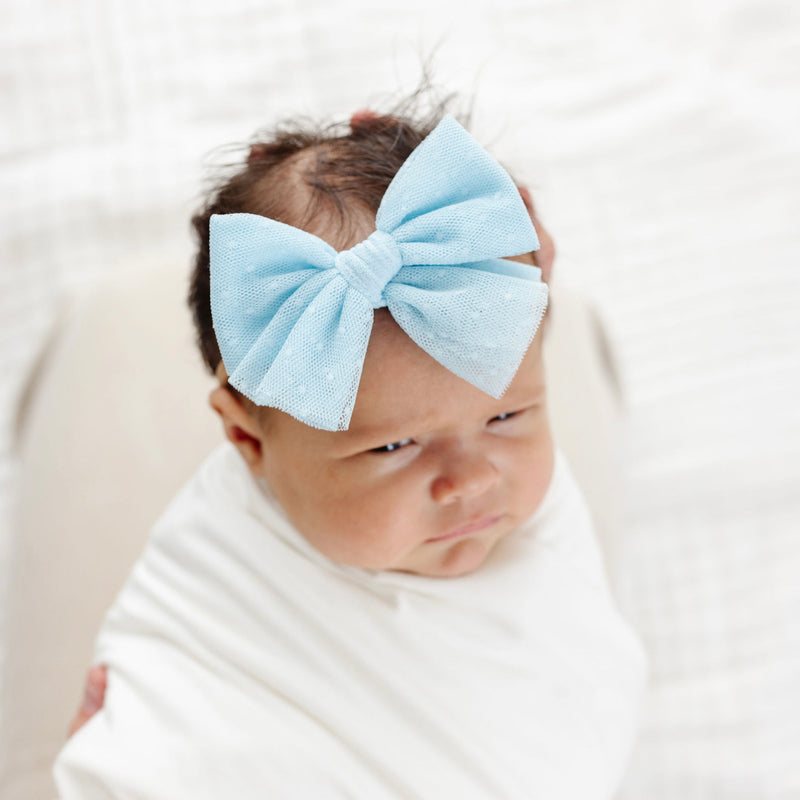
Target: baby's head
column 431, row 471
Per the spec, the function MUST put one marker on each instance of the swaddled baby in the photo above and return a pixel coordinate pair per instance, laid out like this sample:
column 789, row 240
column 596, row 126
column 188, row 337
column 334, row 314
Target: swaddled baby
column 385, row 584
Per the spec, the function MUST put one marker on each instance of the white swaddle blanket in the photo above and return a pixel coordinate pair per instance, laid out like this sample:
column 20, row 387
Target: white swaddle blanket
column 245, row 664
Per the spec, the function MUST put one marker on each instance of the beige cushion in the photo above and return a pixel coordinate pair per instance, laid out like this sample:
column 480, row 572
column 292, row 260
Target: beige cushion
column 114, row 420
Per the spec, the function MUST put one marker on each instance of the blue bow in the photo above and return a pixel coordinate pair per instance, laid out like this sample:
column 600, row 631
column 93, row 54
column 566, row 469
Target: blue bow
column 293, row 317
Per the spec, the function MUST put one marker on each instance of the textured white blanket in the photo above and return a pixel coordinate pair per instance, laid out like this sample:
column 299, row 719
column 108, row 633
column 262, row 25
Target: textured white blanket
column 245, row 664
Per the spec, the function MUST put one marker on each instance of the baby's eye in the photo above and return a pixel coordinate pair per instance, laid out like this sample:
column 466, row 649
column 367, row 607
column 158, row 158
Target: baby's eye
column 501, row 417
column 388, row 448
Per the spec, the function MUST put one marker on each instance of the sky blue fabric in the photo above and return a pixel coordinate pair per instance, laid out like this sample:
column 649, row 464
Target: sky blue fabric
column 293, row 317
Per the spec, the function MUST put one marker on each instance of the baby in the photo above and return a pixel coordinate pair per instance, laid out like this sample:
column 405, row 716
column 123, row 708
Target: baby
column 385, row 584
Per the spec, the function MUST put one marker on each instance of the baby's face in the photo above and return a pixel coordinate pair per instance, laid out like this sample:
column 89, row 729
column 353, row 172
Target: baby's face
column 431, row 473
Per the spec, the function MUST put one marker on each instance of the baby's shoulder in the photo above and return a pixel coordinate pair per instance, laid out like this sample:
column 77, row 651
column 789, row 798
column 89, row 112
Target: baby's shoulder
column 219, row 490
column 206, row 557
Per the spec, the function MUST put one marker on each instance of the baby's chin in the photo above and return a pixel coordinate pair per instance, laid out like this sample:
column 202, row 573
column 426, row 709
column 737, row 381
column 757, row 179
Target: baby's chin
column 455, row 560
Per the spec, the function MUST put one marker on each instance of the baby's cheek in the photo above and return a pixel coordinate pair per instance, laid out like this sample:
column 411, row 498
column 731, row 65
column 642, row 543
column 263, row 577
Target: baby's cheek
column 538, row 472
column 527, row 462
column 359, row 532
column 382, row 544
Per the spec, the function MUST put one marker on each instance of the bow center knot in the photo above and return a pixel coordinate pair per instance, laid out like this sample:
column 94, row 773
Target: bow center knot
column 370, row 265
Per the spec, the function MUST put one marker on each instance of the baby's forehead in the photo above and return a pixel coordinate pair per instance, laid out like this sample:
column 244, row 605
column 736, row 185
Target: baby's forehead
column 402, row 384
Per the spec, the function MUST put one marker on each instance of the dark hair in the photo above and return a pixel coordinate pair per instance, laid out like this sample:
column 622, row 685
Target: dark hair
column 327, row 179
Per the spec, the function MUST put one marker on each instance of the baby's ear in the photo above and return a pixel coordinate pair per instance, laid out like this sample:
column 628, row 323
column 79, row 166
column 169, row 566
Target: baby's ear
column 240, row 427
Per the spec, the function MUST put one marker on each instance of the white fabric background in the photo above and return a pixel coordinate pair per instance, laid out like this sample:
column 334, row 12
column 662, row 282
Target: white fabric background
column 660, row 140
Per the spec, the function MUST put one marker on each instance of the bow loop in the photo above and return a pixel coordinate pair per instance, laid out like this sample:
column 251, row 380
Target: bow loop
column 370, row 265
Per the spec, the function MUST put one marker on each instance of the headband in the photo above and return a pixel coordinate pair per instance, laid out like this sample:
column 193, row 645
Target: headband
column 293, row 316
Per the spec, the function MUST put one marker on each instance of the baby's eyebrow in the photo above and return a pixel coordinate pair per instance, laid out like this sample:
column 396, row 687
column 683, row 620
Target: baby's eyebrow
column 376, row 434
column 523, row 394
column 380, row 434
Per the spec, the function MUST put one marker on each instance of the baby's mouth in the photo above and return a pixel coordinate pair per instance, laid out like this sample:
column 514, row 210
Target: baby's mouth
column 471, row 527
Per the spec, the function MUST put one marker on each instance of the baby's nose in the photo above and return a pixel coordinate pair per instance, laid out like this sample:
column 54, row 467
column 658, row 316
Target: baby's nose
column 465, row 475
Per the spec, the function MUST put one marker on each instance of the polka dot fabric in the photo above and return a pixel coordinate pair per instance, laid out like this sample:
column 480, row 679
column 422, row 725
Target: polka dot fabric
column 293, row 317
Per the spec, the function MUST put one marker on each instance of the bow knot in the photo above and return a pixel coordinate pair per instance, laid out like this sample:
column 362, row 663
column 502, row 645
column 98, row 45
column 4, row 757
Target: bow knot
column 370, row 265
